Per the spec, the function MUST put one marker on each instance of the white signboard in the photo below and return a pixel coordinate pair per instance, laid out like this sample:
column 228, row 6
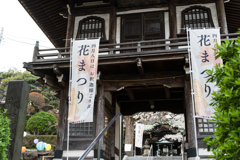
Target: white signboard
column 139, row 135
column 84, row 75
column 127, row 147
column 202, row 42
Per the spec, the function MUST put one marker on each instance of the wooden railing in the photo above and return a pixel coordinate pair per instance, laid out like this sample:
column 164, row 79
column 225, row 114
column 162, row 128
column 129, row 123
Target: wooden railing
column 173, row 45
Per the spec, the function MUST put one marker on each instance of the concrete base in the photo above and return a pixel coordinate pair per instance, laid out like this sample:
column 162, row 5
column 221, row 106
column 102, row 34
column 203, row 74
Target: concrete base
column 194, row 158
column 129, row 153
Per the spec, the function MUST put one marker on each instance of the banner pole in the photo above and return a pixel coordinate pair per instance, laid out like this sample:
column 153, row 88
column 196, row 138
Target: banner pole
column 193, row 103
column 69, row 97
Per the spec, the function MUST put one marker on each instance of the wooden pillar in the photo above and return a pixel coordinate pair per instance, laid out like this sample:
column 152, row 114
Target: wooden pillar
column 172, row 19
column 112, row 25
column 100, row 115
column 222, row 16
column 63, row 114
column 189, row 120
column 70, row 28
column 112, row 129
column 129, row 132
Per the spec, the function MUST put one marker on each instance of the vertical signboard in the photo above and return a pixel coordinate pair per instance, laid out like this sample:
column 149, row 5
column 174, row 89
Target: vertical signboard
column 84, row 75
column 139, row 135
column 202, row 42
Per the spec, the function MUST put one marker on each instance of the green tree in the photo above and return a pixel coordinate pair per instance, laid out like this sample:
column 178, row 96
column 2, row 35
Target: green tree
column 4, row 134
column 226, row 143
column 46, row 91
column 42, row 123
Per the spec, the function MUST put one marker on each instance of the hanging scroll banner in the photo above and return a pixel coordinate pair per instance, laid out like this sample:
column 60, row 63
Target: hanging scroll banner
column 202, row 42
column 84, row 75
column 139, row 135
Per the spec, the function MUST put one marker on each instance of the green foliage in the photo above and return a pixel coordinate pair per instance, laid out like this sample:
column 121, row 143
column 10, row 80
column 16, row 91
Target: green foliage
column 47, row 107
column 30, row 80
column 42, row 123
column 46, row 99
column 28, row 141
column 14, row 74
column 226, row 143
column 4, row 134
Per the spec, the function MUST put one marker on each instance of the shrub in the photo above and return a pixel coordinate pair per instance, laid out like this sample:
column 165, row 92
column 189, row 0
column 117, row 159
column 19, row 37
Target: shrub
column 36, row 98
column 42, row 123
column 226, row 143
column 46, row 99
column 4, row 134
column 47, row 107
column 30, row 80
column 49, row 139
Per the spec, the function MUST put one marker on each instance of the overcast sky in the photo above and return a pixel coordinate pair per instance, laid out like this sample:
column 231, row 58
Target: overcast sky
column 19, row 36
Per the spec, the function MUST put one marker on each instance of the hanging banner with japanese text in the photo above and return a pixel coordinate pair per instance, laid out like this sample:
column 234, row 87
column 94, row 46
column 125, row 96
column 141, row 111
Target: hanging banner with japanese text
column 84, row 75
column 139, row 135
column 202, row 42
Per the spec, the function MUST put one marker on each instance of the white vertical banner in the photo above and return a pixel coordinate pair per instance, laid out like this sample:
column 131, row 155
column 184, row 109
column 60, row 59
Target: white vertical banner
column 84, row 75
column 202, row 42
column 139, row 135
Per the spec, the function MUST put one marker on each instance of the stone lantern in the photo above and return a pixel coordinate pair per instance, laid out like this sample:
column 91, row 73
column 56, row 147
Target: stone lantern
column 146, row 149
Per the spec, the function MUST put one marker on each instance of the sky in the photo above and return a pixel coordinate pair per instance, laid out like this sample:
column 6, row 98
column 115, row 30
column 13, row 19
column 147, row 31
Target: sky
column 19, row 36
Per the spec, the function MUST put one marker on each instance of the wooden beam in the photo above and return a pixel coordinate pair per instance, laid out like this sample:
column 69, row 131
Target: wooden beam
column 64, row 63
column 61, row 78
column 174, row 75
column 52, row 82
column 130, row 108
column 151, row 101
column 130, row 58
column 88, row 10
column 56, row 70
column 114, row 86
column 140, row 66
column 167, row 92
column 61, row 81
column 41, row 81
column 130, row 94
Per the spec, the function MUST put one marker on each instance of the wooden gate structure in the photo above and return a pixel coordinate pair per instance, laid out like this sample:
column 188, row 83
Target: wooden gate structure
column 143, row 59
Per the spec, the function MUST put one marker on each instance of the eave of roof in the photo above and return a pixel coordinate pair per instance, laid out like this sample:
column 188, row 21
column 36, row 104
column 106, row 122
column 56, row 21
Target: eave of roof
column 232, row 9
column 46, row 14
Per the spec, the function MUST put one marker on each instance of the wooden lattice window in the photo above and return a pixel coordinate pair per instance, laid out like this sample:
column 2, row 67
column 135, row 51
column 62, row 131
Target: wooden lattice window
column 205, row 127
column 81, row 129
column 145, row 26
column 196, row 17
column 91, row 27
